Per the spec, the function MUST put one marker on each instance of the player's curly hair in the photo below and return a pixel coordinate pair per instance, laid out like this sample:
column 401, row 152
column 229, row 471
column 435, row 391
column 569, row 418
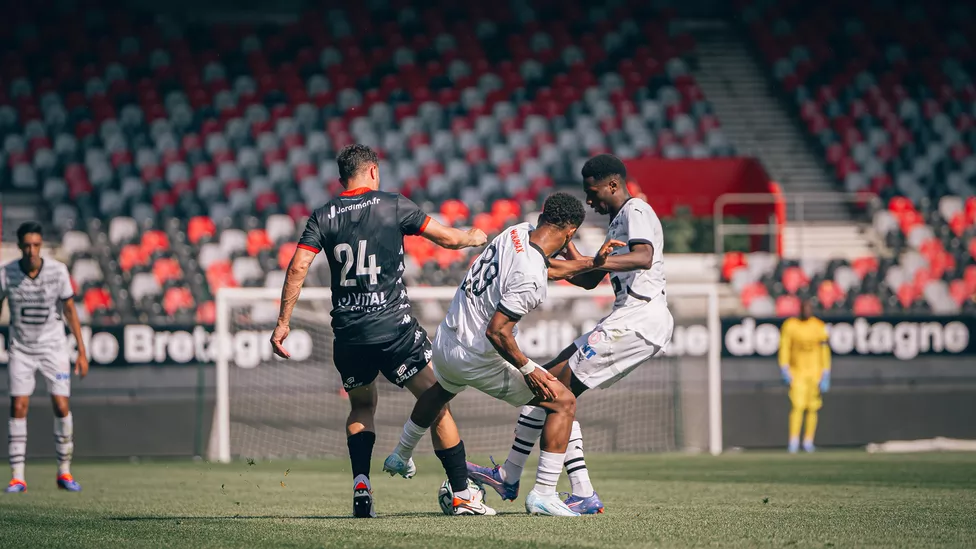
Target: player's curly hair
column 563, row 210
column 353, row 158
column 603, row 166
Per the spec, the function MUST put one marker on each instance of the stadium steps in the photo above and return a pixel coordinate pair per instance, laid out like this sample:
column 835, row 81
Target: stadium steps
column 758, row 126
column 827, row 240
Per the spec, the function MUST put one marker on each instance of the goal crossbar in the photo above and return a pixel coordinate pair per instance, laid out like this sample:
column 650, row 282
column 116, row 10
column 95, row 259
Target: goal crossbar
column 220, row 448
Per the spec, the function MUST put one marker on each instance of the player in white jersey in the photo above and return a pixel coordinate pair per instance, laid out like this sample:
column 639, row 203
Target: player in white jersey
column 475, row 344
column 41, row 300
column 638, row 328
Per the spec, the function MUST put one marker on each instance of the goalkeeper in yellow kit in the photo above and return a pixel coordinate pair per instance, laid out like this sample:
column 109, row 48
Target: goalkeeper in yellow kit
column 804, row 362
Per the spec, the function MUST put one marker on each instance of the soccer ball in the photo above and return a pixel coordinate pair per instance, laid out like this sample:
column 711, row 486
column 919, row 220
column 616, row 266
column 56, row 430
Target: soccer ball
column 445, row 496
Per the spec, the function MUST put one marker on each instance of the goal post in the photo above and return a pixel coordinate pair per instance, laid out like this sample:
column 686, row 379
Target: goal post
column 270, row 407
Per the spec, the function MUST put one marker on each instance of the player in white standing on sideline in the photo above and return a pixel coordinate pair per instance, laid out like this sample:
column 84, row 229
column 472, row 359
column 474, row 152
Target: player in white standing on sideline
column 475, row 344
column 638, row 328
column 41, row 299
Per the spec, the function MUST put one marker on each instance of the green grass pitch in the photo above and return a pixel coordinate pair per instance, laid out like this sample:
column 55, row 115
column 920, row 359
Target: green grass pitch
column 829, row 499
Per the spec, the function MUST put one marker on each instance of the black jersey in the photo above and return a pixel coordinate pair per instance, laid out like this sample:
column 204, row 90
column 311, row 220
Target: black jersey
column 361, row 232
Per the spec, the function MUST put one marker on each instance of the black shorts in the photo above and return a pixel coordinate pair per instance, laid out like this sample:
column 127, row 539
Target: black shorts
column 398, row 360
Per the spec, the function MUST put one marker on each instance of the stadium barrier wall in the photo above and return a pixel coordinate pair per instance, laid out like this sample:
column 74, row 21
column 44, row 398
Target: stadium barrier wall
column 697, row 183
column 542, row 337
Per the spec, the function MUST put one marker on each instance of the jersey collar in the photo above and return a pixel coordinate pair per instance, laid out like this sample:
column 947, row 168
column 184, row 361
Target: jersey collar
column 622, row 206
column 356, row 192
column 21, row 265
column 542, row 253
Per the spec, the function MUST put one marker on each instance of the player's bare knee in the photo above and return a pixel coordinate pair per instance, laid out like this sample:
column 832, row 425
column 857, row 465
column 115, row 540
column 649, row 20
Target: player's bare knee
column 61, row 406
column 18, row 407
column 565, row 402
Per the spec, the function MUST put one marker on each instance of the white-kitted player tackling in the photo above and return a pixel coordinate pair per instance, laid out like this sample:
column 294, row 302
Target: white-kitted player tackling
column 475, row 344
column 638, row 328
column 41, row 300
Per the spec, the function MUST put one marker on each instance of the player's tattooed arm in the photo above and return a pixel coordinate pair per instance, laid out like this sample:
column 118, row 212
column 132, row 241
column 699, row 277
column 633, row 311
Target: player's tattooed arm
column 74, row 324
column 292, row 288
column 451, row 238
column 579, row 264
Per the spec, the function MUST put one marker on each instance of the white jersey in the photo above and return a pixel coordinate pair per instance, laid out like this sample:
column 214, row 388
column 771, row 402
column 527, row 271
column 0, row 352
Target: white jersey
column 511, row 276
column 636, row 223
column 36, row 323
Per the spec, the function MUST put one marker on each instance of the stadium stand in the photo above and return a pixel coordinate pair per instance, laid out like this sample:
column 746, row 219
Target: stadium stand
column 885, row 91
column 176, row 160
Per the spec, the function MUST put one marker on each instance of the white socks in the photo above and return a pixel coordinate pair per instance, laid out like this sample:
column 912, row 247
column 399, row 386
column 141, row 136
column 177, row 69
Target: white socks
column 64, row 442
column 527, row 433
column 17, row 446
column 579, row 477
column 409, row 439
column 550, row 466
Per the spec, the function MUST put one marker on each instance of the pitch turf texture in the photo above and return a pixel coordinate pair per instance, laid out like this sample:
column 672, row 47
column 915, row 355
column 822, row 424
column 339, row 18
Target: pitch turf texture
column 830, row 499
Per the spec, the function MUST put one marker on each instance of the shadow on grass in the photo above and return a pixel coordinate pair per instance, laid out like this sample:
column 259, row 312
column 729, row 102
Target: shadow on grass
column 292, row 517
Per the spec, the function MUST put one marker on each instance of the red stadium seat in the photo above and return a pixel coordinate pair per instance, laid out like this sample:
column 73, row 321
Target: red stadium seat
column 285, row 253
column 166, row 269
column 487, row 223
column 132, row 255
column 731, row 262
column 199, row 227
column 177, row 299
column 153, row 241
column 787, row 305
column 959, row 292
column 751, row 291
column 829, row 294
column 206, row 313
column 505, row 210
column 907, row 293
column 454, row 212
column 868, row 305
column 258, row 241
column 864, row 265
column 794, row 279
column 97, row 299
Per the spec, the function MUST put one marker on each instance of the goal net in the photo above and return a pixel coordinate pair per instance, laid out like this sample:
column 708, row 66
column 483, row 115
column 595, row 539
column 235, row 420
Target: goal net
column 267, row 407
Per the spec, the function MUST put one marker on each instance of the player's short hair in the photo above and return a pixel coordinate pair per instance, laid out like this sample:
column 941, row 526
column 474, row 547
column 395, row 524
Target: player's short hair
column 353, row 158
column 29, row 227
column 603, row 166
column 563, row 210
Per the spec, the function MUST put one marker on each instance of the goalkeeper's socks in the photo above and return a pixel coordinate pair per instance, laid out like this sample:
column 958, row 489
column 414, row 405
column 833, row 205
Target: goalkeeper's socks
column 455, row 465
column 17, row 446
column 527, row 433
column 360, row 452
column 546, row 477
column 409, row 439
column 64, row 444
column 579, row 476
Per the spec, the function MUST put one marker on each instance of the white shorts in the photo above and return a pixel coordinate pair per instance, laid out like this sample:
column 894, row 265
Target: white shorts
column 621, row 342
column 54, row 365
column 456, row 368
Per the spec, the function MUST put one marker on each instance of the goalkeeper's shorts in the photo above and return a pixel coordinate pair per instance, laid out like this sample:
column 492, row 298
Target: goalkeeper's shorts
column 621, row 342
column 805, row 393
column 398, row 359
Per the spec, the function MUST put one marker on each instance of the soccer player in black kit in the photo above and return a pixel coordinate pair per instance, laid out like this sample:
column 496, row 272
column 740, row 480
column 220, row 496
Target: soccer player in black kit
column 361, row 232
